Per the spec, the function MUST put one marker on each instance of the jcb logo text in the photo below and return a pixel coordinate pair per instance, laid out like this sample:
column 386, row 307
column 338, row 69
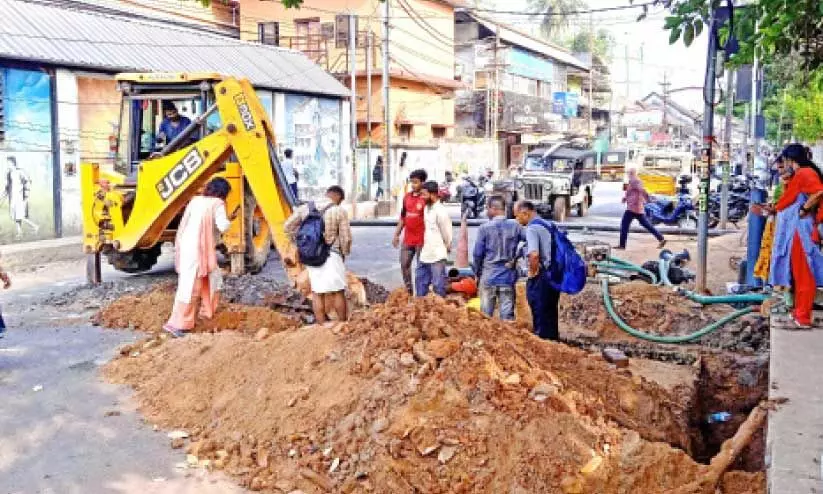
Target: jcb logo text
column 178, row 175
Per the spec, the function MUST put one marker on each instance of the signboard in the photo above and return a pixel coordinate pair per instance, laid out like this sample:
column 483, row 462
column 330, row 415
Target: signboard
column 525, row 64
column 559, row 103
column 526, row 113
column 571, row 105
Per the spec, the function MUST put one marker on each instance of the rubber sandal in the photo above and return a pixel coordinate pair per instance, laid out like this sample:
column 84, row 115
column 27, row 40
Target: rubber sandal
column 798, row 324
column 175, row 333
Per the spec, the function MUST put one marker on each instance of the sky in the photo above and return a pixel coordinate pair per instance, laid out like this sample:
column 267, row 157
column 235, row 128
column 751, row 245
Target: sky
column 682, row 66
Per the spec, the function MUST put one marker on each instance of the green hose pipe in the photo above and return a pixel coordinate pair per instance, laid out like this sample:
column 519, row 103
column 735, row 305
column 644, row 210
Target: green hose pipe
column 627, row 266
column 740, row 298
column 607, row 301
column 618, row 274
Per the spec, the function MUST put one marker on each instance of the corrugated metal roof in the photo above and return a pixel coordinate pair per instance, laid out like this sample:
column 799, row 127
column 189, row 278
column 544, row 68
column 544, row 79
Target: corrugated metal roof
column 512, row 35
column 38, row 32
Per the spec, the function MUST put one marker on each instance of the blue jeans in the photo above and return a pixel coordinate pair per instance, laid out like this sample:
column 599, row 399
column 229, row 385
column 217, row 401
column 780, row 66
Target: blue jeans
column 489, row 297
column 293, row 188
column 628, row 217
column 543, row 302
column 430, row 274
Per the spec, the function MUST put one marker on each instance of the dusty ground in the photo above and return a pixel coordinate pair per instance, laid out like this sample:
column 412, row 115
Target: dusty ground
column 420, row 397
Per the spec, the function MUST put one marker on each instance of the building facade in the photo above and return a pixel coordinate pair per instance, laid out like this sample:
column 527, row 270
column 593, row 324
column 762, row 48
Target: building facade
column 59, row 104
column 421, row 68
column 518, row 89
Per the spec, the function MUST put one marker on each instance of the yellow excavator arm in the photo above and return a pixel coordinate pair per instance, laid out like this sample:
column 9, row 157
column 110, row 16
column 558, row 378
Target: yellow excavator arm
column 124, row 216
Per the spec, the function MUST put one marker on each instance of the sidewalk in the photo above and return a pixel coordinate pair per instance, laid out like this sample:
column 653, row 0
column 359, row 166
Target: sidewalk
column 794, row 443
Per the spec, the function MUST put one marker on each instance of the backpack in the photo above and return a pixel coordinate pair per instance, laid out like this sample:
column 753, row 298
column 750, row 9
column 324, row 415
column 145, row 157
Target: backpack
column 567, row 272
column 310, row 239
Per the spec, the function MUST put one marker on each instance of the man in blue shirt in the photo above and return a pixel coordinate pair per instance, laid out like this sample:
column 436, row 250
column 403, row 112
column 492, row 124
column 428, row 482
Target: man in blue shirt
column 173, row 124
column 495, row 253
column 543, row 298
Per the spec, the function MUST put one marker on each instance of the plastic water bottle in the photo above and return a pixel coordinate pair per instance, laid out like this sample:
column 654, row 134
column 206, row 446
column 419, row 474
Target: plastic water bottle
column 718, row 417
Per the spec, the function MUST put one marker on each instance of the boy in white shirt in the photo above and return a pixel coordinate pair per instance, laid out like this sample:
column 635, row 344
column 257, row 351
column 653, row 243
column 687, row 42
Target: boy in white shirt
column 437, row 242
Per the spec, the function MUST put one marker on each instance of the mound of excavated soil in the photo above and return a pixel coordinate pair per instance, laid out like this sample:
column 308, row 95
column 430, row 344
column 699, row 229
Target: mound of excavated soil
column 419, row 396
column 657, row 310
column 148, row 312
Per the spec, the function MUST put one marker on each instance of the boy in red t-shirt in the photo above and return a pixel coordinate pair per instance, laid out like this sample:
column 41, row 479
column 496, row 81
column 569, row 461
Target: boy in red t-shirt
column 411, row 220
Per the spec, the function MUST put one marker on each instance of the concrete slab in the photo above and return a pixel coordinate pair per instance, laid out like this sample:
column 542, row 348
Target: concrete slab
column 794, row 441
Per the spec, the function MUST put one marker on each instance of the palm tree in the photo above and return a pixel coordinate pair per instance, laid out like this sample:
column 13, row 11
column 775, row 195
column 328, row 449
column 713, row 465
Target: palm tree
column 556, row 14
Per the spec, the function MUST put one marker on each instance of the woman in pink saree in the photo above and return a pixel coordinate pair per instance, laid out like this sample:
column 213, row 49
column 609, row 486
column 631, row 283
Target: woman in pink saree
column 199, row 277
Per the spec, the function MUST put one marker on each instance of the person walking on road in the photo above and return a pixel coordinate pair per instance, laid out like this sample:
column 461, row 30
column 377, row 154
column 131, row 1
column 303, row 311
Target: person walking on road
column 437, row 241
column 199, row 277
column 288, row 170
column 542, row 297
column 377, row 178
column 636, row 198
column 328, row 280
column 495, row 255
column 411, row 227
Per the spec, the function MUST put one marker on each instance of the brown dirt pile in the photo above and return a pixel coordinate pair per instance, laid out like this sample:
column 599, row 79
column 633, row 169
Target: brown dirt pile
column 656, row 310
column 414, row 397
column 150, row 310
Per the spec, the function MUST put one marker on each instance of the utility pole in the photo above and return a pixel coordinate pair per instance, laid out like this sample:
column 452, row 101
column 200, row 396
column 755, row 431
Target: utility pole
column 386, row 112
column 756, row 223
column 369, row 163
column 591, row 79
column 705, row 169
column 353, row 65
column 628, row 78
column 496, row 95
column 755, row 112
column 727, row 138
column 664, row 122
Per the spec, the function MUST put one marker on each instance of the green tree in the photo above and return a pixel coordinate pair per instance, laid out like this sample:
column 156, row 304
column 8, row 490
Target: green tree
column 601, row 43
column 556, row 14
column 785, row 28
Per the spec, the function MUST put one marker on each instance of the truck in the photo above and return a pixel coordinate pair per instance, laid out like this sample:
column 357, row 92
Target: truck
column 558, row 178
column 131, row 208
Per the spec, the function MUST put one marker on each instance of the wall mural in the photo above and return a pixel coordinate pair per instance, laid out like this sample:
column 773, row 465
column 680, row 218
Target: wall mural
column 26, row 164
column 313, row 133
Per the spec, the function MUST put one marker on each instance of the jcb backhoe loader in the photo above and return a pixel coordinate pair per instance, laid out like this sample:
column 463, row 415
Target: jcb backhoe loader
column 128, row 212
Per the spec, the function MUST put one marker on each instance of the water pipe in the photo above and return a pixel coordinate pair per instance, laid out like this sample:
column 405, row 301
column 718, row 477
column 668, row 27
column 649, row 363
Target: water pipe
column 607, row 301
column 737, row 298
column 626, row 267
column 634, row 267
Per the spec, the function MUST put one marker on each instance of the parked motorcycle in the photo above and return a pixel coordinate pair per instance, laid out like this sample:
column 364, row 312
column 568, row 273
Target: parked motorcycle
column 678, row 212
column 472, row 198
column 738, row 208
column 444, row 191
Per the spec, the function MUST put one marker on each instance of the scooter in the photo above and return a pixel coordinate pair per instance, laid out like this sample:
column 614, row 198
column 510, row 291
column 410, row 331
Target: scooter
column 679, row 212
column 472, row 199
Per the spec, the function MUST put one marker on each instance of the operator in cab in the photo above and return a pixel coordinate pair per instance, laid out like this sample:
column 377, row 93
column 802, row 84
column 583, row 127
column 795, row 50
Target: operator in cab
column 173, row 124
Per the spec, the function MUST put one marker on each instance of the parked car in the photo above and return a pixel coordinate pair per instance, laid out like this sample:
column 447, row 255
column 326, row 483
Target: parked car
column 559, row 178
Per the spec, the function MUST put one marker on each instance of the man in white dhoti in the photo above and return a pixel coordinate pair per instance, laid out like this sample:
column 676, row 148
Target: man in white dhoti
column 17, row 191
column 199, row 277
column 328, row 281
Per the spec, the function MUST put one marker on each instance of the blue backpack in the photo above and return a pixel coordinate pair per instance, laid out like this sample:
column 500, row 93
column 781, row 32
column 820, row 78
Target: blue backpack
column 568, row 271
column 310, row 239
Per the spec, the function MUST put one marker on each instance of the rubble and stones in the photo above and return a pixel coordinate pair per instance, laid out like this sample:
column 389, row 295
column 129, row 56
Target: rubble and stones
column 424, row 396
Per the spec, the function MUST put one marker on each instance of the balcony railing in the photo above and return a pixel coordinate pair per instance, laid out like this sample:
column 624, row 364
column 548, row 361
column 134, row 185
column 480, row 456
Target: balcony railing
column 322, row 50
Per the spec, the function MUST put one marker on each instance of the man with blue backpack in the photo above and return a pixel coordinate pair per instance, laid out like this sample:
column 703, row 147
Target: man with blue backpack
column 554, row 267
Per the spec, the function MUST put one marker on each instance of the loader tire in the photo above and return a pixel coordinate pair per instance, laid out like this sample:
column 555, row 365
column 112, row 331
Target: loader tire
column 134, row 261
column 258, row 234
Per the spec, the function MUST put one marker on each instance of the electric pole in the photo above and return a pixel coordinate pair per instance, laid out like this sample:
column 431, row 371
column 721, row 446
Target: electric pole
column 727, row 137
column 664, row 122
column 496, row 95
column 386, row 112
column 353, row 130
column 369, row 45
column 705, row 169
column 591, row 78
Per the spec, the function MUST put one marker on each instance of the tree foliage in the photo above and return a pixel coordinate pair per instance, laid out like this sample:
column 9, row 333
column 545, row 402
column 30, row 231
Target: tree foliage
column 556, row 14
column 783, row 27
column 601, row 42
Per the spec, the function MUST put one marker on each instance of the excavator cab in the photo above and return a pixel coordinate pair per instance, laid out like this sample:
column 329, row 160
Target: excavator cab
column 134, row 204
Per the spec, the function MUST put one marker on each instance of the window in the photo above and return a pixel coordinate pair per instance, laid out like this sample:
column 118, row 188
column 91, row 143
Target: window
column 405, row 131
column 308, row 34
column 523, row 85
column 341, row 29
column 268, row 33
column 560, row 75
column 546, row 90
column 438, row 132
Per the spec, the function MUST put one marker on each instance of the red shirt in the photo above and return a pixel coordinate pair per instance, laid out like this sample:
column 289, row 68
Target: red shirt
column 412, row 214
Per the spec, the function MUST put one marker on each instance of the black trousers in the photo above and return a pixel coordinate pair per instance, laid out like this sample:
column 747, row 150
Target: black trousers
column 543, row 301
